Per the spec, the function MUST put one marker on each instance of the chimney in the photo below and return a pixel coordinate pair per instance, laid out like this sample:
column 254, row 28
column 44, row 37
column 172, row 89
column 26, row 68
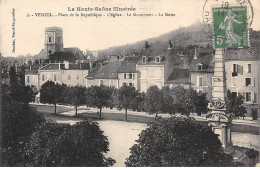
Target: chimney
column 90, row 65
column 195, row 54
column 169, row 44
column 66, row 65
column 146, row 45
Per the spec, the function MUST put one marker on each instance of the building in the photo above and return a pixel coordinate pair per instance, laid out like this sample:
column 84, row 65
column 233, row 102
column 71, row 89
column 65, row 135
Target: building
column 106, row 75
column 242, row 77
column 61, row 73
column 179, row 77
column 155, row 65
column 53, row 48
column 127, row 74
column 202, row 71
column 114, row 73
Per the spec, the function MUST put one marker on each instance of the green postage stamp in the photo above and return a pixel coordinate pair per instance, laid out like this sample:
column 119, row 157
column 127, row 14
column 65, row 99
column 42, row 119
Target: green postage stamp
column 230, row 27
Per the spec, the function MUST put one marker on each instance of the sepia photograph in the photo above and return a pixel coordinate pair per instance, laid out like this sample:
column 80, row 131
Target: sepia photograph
column 130, row 83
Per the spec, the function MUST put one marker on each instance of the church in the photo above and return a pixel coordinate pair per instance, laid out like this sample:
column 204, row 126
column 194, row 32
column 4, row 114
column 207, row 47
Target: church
column 54, row 51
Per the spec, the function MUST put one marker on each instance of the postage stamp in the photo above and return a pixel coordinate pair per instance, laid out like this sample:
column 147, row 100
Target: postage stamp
column 230, row 27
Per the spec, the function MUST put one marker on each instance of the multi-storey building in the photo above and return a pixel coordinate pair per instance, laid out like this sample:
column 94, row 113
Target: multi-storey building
column 202, row 71
column 155, row 65
column 61, row 73
column 242, row 77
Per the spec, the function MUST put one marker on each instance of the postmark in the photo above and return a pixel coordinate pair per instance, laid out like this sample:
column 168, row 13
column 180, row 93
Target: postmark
column 209, row 4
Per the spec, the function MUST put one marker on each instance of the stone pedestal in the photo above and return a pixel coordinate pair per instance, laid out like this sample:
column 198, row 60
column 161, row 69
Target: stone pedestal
column 218, row 119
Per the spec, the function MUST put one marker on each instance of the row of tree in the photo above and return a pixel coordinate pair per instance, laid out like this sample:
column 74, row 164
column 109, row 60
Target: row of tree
column 166, row 100
column 154, row 101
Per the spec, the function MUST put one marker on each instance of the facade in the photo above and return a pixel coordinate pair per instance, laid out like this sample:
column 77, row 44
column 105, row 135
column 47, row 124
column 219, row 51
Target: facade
column 61, row 73
column 31, row 78
column 127, row 74
column 53, row 40
column 242, row 77
column 106, row 75
column 156, row 65
column 202, row 71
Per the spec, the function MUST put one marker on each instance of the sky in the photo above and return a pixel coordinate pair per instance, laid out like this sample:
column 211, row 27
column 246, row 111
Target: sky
column 95, row 33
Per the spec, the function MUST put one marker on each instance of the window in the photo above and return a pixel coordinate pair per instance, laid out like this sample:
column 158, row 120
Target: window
column 49, row 38
column 234, row 73
column 233, row 81
column 131, row 84
column 200, row 91
column 101, row 82
column 199, row 66
column 69, row 77
column 144, row 59
column 234, row 93
column 77, row 77
column 58, row 39
column 248, row 96
column 248, row 81
column 249, row 68
column 28, row 79
column 199, row 81
column 55, row 77
column 125, row 76
column 42, row 77
column 130, row 76
column 157, row 59
column 124, row 84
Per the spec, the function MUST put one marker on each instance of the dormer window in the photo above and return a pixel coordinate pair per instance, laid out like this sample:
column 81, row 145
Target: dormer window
column 144, row 59
column 157, row 59
column 199, row 67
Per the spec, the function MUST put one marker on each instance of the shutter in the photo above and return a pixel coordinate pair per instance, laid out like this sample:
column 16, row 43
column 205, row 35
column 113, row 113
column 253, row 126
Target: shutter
column 255, row 98
column 133, row 76
column 240, row 69
column 253, row 83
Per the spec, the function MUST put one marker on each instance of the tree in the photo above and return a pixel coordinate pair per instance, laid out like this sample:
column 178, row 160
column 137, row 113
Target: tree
column 181, row 100
column 51, row 93
column 17, row 122
column 99, row 97
column 153, row 100
column 79, row 145
column 167, row 100
column 138, row 104
column 234, row 105
column 77, row 97
column 18, row 90
column 198, row 102
column 125, row 97
column 178, row 141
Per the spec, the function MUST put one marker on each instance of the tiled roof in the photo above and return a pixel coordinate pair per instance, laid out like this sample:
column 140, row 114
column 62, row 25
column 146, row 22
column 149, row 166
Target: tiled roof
column 108, row 71
column 127, row 67
column 32, row 72
column 76, row 52
column 206, row 58
column 131, row 59
column 151, row 52
column 79, row 66
column 179, row 76
column 53, row 66
column 94, row 70
column 244, row 54
column 42, row 55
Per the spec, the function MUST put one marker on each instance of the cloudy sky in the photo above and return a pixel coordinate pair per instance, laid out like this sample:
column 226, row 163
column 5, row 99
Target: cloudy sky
column 95, row 33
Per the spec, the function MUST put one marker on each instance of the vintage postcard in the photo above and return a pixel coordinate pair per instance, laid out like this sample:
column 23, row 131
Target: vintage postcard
column 130, row 83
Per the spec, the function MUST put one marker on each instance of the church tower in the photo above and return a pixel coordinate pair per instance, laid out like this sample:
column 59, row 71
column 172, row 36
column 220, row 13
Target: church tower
column 53, row 40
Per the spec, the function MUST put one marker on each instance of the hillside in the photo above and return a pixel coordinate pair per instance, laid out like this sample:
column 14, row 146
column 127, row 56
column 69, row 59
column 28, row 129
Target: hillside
column 197, row 34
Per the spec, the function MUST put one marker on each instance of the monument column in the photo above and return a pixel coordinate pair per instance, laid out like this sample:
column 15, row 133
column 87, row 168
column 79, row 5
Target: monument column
column 219, row 120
